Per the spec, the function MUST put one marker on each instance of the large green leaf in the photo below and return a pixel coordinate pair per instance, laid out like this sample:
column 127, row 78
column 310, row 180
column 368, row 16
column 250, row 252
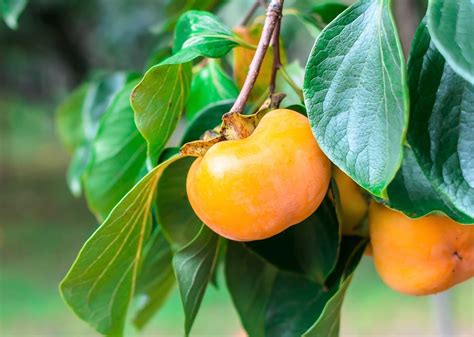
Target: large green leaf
column 200, row 33
column 451, row 27
column 356, row 95
column 309, row 248
column 194, row 266
column 412, row 193
column 118, row 156
column 206, row 119
column 158, row 101
column 210, row 85
column 175, row 215
column 11, row 10
column 273, row 302
column 441, row 123
column 96, row 98
column 156, row 279
column 101, row 282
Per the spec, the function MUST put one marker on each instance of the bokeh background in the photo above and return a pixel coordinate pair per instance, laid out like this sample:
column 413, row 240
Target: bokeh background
column 59, row 44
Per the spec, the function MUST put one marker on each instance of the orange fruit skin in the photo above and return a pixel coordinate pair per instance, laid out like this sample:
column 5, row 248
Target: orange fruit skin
column 353, row 203
column 420, row 256
column 254, row 188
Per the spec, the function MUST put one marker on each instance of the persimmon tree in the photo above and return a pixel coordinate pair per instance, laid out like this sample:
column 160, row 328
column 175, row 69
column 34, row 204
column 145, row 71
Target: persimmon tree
column 398, row 133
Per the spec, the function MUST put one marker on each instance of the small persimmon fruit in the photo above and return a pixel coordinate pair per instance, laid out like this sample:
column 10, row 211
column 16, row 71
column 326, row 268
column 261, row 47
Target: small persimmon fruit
column 354, row 205
column 420, row 256
column 256, row 187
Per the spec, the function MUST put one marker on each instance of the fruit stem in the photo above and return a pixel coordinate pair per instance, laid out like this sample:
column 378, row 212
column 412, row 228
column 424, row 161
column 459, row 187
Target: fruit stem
column 275, row 43
column 274, row 11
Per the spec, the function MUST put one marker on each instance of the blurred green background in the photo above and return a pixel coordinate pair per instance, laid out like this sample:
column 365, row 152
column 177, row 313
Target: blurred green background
column 59, row 44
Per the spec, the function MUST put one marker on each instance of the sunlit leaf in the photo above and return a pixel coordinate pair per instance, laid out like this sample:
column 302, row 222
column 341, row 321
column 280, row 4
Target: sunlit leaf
column 200, row 33
column 158, row 101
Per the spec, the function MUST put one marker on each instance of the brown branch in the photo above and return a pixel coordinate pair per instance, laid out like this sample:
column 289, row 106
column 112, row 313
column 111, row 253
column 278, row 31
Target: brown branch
column 273, row 16
column 276, row 55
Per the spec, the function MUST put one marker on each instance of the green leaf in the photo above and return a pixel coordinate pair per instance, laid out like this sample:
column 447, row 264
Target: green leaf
column 356, row 94
column 328, row 10
column 69, row 119
column 328, row 323
column 206, row 119
column 451, row 27
column 174, row 9
column 277, row 303
column 77, row 167
column 210, row 85
column 249, row 279
column 296, row 73
column 200, row 33
column 176, row 217
column 294, row 304
column 194, row 266
column 309, row 248
column 158, row 101
column 156, row 279
column 11, row 10
column 412, row 193
column 100, row 93
column 441, row 123
column 101, row 282
column 352, row 250
column 118, row 156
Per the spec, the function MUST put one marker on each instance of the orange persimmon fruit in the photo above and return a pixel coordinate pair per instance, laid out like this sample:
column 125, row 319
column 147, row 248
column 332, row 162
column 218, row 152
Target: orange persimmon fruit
column 354, row 205
column 420, row 256
column 256, row 187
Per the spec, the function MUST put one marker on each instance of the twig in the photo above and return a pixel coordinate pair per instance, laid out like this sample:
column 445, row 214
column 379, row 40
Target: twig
column 276, row 55
column 252, row 11
column 290, row 81
column 273, row 15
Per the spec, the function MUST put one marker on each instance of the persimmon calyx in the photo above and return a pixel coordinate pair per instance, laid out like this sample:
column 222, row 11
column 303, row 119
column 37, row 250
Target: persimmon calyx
column 234, row 126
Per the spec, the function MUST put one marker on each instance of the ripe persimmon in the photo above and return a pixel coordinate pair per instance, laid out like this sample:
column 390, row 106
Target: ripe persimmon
column 256, row 187
column 354, row 205
column 420, row 256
